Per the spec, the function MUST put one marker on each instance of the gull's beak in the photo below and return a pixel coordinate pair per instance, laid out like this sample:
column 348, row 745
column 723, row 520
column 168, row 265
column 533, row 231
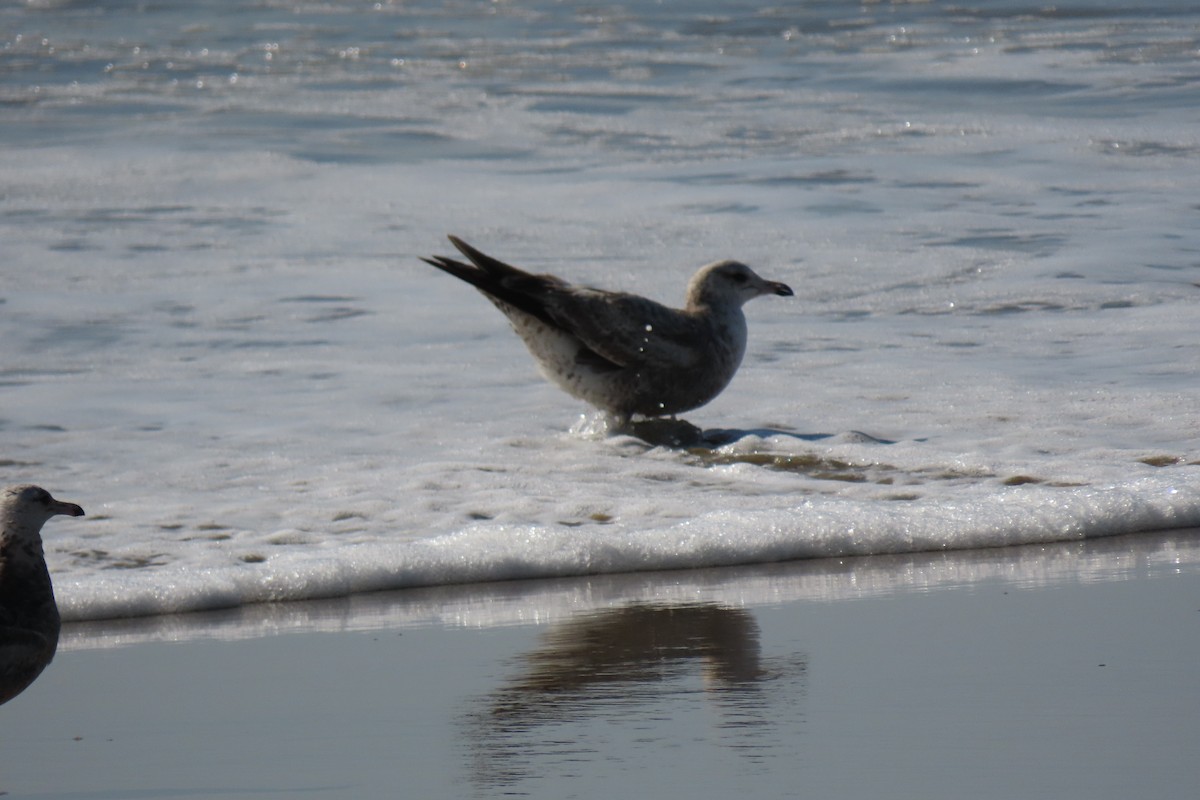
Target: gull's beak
column 69, row 509
column 781, row 289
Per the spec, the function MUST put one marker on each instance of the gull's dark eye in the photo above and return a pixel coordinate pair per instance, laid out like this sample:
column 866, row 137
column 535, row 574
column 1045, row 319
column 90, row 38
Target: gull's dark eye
column 740, row 277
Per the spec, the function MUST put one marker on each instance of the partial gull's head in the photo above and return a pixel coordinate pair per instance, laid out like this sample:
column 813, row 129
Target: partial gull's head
column 24, row 510
column 730, row 282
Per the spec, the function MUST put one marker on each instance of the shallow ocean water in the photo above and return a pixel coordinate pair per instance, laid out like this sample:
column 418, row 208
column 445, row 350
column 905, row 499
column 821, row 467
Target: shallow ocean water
column 1063, row 669
column 219, row 339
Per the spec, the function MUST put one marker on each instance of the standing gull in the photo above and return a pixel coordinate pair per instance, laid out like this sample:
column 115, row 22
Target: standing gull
column 29, row 620
column 622, row 353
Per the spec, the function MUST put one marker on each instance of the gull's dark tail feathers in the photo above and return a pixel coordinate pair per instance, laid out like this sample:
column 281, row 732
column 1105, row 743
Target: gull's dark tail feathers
column 500, row 281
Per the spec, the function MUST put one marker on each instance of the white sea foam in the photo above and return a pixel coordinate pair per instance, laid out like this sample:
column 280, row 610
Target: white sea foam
column 818, row 528
column 219, row 341
column 544, row 601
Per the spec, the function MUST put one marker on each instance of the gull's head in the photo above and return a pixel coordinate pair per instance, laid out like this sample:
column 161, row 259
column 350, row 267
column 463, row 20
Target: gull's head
column 24, row 509
column 726, row 282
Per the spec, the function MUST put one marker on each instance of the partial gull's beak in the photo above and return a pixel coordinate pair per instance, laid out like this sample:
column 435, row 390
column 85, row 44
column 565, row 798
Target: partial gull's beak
column 69, row 509
column 781, row 289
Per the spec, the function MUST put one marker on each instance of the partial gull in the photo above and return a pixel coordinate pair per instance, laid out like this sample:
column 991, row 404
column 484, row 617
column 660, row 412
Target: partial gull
column 29, row 620
column 622, row 353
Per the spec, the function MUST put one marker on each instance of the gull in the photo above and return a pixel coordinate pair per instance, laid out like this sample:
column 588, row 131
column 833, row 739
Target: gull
column 29, row 621
column 622, row 353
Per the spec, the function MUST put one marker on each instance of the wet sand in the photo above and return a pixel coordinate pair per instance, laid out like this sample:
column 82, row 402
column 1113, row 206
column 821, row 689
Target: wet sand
column 1063, row 671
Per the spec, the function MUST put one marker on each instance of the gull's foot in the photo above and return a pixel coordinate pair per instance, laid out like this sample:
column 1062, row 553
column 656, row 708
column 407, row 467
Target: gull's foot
column 663, row 432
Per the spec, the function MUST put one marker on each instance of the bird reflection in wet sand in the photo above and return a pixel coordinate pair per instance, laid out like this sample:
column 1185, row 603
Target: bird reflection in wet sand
column 641, row 662
column 29, row 621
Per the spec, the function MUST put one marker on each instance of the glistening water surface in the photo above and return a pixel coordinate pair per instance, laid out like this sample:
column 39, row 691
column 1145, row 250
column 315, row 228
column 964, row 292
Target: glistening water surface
column 219, row 340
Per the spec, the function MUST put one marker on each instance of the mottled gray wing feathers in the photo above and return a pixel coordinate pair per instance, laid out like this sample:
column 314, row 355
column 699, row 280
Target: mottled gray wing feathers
column 626, row 329
column 623, row 329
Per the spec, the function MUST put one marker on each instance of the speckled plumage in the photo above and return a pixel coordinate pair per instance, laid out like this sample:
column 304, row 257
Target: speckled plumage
column 29, row 621
column 619, row 352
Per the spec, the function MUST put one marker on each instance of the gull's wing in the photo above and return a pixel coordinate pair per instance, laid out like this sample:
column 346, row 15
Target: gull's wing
column 620, row 328
column 626, row 329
